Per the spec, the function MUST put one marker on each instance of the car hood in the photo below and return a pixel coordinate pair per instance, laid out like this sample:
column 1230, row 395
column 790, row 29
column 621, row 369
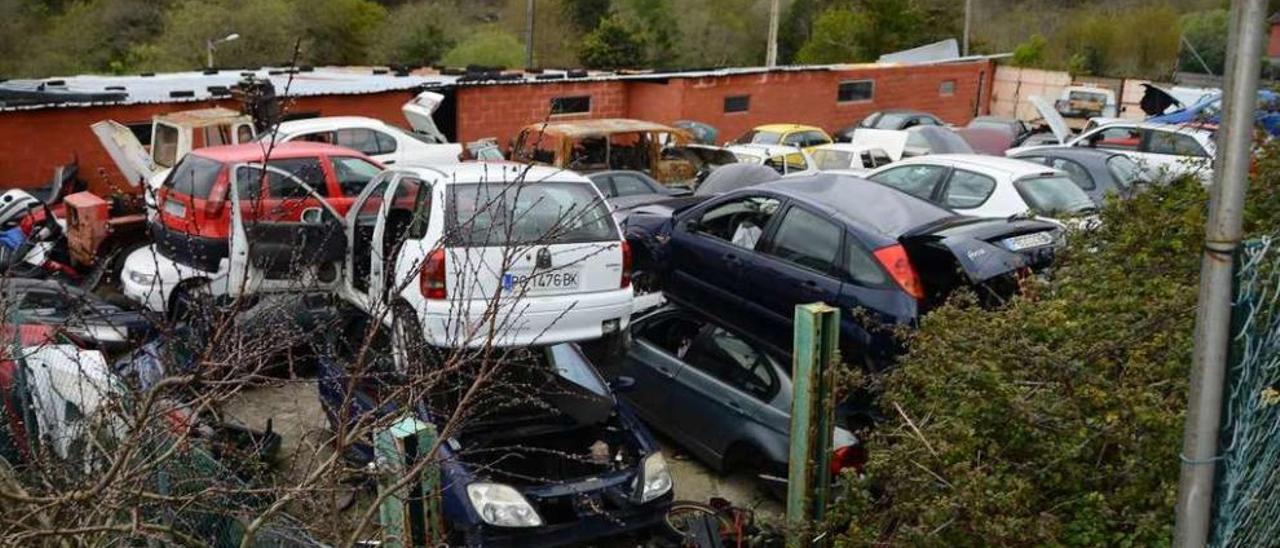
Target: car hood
column 1051, row 118
column 419, row 110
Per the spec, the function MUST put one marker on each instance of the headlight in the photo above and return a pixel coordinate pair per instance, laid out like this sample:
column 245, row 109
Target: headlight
column 142, row 278
column 655, row 477
column 502, row 505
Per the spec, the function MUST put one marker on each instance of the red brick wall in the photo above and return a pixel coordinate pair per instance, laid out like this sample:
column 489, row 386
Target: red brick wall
column 1273, row 46
column 34, row 142
column 501, row 111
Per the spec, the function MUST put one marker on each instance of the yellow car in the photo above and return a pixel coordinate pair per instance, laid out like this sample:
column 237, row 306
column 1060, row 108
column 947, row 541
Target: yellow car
column 796, row 135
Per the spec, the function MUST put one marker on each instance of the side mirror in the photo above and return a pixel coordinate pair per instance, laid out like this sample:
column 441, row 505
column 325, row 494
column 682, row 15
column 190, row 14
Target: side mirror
column 312, row 216
column 690, row 225
column 622, row 384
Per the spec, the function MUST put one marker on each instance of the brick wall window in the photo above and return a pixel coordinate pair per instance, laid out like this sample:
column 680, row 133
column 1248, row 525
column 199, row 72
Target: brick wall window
column 737, row 103
column 852, row 91
column 578, row 104
column 947, row 87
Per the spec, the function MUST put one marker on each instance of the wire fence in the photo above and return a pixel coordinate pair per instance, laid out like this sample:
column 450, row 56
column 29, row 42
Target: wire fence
column 1247, row 506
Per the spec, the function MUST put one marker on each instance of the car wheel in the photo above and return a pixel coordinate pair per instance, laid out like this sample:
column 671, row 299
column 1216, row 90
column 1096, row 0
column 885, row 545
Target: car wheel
column 407, row 343
column 190, row 301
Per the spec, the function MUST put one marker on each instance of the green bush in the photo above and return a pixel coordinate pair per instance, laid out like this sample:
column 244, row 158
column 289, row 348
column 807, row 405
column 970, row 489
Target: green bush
column 490, row 47
column 1057, row 419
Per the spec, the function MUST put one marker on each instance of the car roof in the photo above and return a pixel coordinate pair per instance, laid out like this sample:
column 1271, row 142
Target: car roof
column 1012, row 167
column 598, row 127
column 870, row 205
column 256, row 151
column 786, row 128
column 1077, row 153
column 756, row 148
column 493, row 172
column 330, row 122
column 1162, row 126
column 595, row 174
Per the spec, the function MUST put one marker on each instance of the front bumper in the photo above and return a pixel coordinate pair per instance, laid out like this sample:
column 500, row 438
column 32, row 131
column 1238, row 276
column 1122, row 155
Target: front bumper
column 613, row 520
column 164, row 273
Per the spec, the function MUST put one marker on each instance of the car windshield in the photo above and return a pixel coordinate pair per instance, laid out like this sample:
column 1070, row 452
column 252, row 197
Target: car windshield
column 494, row 214
column 891, row 120
column 570, row 364
column 757, row 137
column 1124, row 170
column 1055, row 194
column 832, row 159
column 194, row 176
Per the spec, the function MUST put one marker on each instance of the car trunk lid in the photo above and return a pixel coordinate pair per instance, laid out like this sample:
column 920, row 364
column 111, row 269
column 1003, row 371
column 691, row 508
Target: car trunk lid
column 982, row 248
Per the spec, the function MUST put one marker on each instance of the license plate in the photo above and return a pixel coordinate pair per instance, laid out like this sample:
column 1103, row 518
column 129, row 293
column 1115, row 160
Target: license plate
column 1028, row 241
column 553, row 280
column 177, row 209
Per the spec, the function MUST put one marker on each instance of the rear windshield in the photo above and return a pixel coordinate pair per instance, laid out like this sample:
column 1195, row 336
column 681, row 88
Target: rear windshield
column 832, row 159
column 1053, row 195
column 194, row 176
column 494, row 214
column 755, row 137
column 1125, row 171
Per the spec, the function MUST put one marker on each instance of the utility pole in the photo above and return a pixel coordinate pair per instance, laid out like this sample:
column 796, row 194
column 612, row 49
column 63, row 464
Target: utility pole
column 968, row 20
column 528, row 40
column 771, row 58
column 1222, row 237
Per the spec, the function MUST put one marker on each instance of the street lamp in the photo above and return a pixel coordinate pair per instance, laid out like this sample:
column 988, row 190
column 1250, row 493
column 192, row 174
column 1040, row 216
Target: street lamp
column 211, row 43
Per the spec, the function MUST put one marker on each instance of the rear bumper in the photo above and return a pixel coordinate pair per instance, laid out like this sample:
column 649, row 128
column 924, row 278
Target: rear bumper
column 523, row 322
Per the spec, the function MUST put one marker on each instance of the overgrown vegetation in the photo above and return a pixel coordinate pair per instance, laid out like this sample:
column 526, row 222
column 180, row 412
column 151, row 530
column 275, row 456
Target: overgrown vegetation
column 1056, row 420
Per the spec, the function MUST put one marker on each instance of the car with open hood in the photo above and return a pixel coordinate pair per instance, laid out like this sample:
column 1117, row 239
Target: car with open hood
column 565, row 463
column 748, row 257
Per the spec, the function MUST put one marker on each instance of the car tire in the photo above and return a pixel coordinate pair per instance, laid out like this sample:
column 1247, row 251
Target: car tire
column 408, row 346
column 189, row 301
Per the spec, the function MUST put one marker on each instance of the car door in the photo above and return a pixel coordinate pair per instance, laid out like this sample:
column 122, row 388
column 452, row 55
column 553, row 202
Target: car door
column 732, row 382
column 1120, row 138
column 659, row 343
column 919, row 180
column 794, row 266
column 708, row 249
column 372, row 143
column 394, row 207
column 1176, row 153
column 282, row 230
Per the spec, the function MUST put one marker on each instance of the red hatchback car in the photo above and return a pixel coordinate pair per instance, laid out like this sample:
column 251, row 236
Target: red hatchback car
column 194, row 217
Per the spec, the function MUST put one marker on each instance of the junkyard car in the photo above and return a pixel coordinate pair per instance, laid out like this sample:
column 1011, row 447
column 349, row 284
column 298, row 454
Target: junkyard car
column 986, row 186
column 894, row 119
column 1160, row 149
column 790, row 135
column 1018, row 128
column 569, row 463
column 785, row 160
column 586, row 146
column 284, row 209
column 749, row 256
column 379, row 140
column 72, row 311
column 476, row 254
column 1099, row 173
column 716, row 392
column 625, row 190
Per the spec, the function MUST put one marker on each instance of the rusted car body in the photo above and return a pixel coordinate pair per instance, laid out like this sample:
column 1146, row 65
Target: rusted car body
column 587, row 146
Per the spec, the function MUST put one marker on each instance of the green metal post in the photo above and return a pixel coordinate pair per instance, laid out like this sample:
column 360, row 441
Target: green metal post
column 411, row 516
column 817, row 335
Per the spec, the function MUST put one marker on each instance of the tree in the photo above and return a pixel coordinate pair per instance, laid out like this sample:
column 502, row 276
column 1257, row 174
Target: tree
column 585, row 15
column 268, row 30
column 417, row 33
column 1057, row 419
column 1206, row 31
column 490, row 47
column 340, row 32
column 1031, row 52
column 866, row 31
column 613, row 45
column 658, row 27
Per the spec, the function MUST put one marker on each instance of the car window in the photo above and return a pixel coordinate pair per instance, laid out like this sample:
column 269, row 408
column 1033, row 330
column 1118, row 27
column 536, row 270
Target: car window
column 361, row 139
column 756, row 137
column 625, row 184
column 307, row 170
column 807, row 240
column 604, row 183
column 353, row 173
column 891, row 120
column 386, row 143
column 859, row 265
column 194, row 176
column 1054, row 194
column 1116, row 138
column 1035, row 159
column 494, row 214
column 815, row 138
column 928, row 121
column 1124, row 170
column 727, row 357
column 794, row 139
column 917, row 180
column 879, row 158
column 740, row 222
column 826, row 158
column 673, row 333
column 967, row 189
column 1078, row 174
column 1177, row 144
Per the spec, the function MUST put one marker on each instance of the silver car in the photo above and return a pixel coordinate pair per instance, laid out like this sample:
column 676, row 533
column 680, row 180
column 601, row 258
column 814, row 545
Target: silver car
column 717, row 394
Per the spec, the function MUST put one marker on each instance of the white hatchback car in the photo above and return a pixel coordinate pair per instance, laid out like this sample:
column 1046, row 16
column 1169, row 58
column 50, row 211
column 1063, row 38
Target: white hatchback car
column 986, row 186
column 478, row 254
column 379, row 140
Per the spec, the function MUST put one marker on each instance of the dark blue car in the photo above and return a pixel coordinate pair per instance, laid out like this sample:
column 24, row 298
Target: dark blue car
column 882, row 256
column 1209, row 109
column 548, row 457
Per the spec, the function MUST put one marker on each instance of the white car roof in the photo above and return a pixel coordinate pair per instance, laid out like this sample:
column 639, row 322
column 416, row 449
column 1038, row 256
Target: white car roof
column 762, row 150
column 330, row 123
column 847, row 147
column 493, row 172
column 1013, row 168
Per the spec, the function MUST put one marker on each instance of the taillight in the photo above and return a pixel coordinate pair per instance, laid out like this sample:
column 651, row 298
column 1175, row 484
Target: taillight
column 431, row 276
column 626, row 265
column 895, row 260
column 849, row 456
